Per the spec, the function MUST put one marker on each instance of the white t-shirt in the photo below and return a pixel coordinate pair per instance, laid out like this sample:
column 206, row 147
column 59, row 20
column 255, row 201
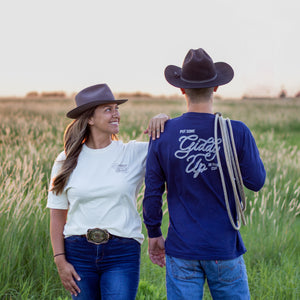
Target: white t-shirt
column 102, row 190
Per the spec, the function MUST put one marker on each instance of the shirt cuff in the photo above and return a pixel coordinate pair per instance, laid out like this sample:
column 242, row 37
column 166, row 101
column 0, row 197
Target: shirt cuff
column 153, row 231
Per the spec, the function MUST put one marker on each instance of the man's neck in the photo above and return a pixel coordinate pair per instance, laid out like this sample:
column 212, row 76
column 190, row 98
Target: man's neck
column 200, row 107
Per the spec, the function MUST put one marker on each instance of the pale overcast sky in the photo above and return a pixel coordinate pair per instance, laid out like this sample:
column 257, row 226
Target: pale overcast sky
column 70, row 44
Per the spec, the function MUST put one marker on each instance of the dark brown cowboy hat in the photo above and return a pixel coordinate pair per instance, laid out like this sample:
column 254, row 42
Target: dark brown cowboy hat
column 92, row 96
column 199, row 71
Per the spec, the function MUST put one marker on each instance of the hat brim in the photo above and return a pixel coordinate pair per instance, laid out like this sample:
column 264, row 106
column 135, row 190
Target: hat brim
column 76, row 112
column 224, row 75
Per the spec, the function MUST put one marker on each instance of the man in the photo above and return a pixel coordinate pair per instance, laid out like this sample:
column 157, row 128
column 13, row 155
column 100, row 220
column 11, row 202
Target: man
column 201, row 242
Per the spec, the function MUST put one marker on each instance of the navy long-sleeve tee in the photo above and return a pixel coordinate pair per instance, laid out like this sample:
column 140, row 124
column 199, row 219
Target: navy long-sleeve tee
column 183, row 162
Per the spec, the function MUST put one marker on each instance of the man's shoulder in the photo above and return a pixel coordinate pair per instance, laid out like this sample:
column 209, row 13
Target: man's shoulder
column 239, row 126
column 238, row 123
column 170, row 127
column 173, row 122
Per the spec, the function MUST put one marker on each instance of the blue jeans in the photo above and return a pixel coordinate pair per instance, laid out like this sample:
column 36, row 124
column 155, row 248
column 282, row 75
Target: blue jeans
column 227, row 279
column 108, row 271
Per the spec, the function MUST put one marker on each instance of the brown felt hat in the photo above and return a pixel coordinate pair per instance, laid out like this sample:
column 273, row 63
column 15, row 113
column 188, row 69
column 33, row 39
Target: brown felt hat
column 93, row 96
column 199, row 71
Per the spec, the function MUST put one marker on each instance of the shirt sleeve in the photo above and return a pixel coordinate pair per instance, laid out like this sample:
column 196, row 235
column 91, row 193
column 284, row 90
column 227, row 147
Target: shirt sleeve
column 59, row 201
column 154, row 189
column 140, row 153
column 251, row 165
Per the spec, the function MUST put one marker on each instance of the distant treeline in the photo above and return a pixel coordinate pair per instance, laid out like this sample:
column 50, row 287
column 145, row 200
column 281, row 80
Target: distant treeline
column 134, row 95
column 53, row 94
column 62, row 94
column 138, row 94
column 282, row 94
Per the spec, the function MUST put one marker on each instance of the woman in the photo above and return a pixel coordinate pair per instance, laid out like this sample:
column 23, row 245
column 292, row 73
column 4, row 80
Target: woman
column 95, row 228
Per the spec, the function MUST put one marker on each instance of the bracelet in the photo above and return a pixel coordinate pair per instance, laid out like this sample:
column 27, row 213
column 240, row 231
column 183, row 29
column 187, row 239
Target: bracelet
column 59, row 254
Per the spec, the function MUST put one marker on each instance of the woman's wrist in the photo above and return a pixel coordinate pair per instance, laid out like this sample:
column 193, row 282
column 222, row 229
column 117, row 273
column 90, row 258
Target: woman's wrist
column 58, row 260
column 58, row 254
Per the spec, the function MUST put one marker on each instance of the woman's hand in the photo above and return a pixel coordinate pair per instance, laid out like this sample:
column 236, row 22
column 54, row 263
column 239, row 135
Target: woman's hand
column 157, row 125
column 68, row 275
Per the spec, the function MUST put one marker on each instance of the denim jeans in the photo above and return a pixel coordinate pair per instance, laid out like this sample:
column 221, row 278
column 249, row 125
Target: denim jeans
column 108, row 271
column 227, row 279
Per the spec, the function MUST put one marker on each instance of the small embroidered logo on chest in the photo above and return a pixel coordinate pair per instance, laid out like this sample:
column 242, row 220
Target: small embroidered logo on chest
column 120, row 168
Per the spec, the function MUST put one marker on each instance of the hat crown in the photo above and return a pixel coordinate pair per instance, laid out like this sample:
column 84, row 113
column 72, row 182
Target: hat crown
column 198, row 66
column 91, row 97
column 94, row 93
column 199, row 71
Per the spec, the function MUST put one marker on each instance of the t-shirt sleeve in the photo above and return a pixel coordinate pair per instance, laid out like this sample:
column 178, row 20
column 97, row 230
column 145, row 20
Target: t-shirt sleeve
column 139, row 154
column 59, row 201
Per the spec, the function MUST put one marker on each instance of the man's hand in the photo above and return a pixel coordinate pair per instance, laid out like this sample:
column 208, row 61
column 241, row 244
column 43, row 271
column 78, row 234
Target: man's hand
column 157, row 125
column 157, row 250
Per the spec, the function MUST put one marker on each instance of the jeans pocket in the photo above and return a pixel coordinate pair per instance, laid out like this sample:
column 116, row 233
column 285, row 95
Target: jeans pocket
column 181, row 269
column 230, row 270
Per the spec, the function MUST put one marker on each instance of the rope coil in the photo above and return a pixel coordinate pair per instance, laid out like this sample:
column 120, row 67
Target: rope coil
column 233, row 170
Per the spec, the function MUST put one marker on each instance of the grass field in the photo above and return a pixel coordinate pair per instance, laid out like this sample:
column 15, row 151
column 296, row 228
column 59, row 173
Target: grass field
column 31, row 134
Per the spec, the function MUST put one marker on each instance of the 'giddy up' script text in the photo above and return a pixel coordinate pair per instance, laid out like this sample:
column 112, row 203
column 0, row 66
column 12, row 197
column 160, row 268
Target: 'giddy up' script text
column 197, row 152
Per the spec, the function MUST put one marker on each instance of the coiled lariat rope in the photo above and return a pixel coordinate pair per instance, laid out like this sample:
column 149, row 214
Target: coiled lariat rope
column 233, row 170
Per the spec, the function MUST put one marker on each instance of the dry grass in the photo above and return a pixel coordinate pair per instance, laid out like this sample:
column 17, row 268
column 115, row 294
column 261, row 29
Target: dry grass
column 31, row 134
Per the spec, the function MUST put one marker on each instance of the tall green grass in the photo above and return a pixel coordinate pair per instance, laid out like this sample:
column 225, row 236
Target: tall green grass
column 31, row 137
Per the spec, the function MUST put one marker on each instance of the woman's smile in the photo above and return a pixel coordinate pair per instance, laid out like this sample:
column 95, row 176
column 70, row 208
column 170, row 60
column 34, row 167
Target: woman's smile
column 114, row 122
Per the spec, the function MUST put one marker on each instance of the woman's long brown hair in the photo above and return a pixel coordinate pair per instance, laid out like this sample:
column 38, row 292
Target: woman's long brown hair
column 76, row 133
